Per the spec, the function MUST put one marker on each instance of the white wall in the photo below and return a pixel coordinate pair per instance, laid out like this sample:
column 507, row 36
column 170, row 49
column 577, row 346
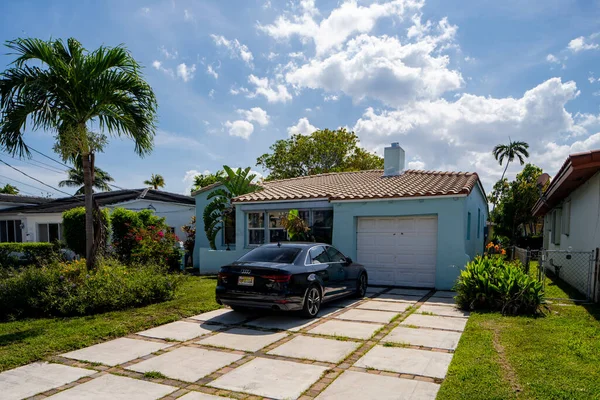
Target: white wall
column 31, row 221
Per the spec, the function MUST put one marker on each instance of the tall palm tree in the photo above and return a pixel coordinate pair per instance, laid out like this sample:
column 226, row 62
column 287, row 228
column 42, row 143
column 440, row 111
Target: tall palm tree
column 155, row 181
column 510, row 151
column 219, row 210
column 63, row 88
column 75, row 179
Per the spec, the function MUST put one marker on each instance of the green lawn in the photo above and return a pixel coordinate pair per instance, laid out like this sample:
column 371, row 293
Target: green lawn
column 556, row 356
column 24, row 341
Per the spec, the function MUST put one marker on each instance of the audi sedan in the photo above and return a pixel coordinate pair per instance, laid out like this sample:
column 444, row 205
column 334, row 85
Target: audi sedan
column 290, row 277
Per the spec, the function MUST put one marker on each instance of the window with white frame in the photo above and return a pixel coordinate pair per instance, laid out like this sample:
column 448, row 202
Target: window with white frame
column 10, row 231
column 49, row 232
column 267, row 227
column 256, row 228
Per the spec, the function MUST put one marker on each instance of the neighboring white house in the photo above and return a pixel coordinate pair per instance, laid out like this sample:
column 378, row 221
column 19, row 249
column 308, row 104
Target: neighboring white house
column 30, row 222
column 571, row 210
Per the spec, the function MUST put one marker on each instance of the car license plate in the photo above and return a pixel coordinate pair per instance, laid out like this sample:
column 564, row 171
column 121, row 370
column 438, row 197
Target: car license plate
column 246, row 281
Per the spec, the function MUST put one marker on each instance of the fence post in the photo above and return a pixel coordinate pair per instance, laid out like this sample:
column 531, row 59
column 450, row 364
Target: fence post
column 594, row 288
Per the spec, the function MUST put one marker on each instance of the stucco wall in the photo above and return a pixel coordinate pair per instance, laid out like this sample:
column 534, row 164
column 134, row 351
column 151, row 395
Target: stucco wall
column 451, row 256
column 201, row 240
column 475, row 203
column 584, row 230
column 210, row 261
column 30, row 233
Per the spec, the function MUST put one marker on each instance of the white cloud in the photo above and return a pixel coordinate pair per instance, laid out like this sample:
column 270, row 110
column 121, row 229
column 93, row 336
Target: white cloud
column 302, row 127
column 188, row 16
column 459, row 134
column 145, row 10
column 255, row 114
column 416, row 163
column 271, row 56
column 272, row 91
column 159, row 67
column 169, row 55
column 211, row 93
column 583, row 43
column 385, row 69
column 551, row 58
column 331, row 97
column 236, row 49
column 212, row 72
column 266, row 5
column 186, row 73
column 240, row 128
column 297, row 54
column 188, row 179
column 343, row 22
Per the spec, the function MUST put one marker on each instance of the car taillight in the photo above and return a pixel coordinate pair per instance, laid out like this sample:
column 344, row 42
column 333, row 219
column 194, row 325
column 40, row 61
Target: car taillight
column 222, row 276
column 277, row 278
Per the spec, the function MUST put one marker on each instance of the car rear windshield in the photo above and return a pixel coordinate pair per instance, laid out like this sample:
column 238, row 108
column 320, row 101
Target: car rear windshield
column 285, row 255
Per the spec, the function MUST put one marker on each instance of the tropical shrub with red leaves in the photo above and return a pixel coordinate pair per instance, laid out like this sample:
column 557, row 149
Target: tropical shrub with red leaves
column 154, row 244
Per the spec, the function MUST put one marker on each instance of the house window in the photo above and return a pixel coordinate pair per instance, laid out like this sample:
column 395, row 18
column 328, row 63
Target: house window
column 468, row 226
column 256, row 228
column 566, row 218
column 229, row 229
column 276, row 231
column 478, row 222
column 49, row 232
column 556, row 222
column 10, row 231
column 322, row 226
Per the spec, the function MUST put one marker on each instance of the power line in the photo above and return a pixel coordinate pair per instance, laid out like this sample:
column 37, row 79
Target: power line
column 32, row 161
column 50, row 158
column 22, row 183
column 20, row 190
column 37, row 180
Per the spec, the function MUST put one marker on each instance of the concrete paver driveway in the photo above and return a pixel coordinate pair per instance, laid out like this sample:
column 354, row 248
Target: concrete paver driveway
column 395, row 344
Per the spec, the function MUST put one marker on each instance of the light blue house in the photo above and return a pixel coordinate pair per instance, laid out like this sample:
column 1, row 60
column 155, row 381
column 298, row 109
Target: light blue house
column 408, row 227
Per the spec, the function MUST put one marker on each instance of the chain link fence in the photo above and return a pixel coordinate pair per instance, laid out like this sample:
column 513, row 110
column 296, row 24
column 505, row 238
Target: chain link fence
column 564, row 274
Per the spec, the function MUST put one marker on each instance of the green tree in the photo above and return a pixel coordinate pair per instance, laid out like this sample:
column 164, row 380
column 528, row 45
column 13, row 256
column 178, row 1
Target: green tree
column 63, row 88
column 155, row 181
column 515, row 201
column 75, row 179
column 509, row 152
column 202, row 180
column 9, row 189
column 320, row 152
column 219, row 211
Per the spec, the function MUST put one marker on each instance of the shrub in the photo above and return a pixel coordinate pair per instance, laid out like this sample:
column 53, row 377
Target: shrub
column 67, row 288
column 123, row 222
column 18, row 254
column 74, row 228
column 154, row 243
column 494, row 284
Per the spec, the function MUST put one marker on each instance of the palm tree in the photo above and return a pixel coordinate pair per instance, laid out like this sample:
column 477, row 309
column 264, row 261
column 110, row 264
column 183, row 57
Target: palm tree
column 219, row 210
column 75, row 179
column 510, row 151
column 63, row 88
column 155, row 181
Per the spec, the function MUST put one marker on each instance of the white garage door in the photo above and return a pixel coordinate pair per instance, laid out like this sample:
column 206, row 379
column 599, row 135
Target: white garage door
column 400, row 251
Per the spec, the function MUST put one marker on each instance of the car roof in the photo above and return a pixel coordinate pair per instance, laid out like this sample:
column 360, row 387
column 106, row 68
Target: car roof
column 302, row 245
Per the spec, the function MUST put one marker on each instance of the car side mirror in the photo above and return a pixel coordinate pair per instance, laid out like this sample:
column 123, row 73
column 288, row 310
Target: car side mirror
column 348, row 261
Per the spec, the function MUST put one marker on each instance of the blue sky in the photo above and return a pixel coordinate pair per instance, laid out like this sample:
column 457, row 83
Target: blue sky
column 446, row 79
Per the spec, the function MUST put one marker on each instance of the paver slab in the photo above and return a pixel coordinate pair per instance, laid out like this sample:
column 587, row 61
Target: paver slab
column 398, row 297
column 359, row 386
column 200, row 396
column 440, row 301
column 116, row 351
column 355, row 330
column 326, row 311
column 384, row 306
column 410, row 292
column 424, row 337
column 180, row 330
column 223, row 316
column 38, row 377
column 115, row 388
column 444, row 293
column 243, row 339
column 443, row 311
column 282, row 322
column 270, row 378
column 367, row 315
column 186, row 363
column 318, row 349
column 343, row 303
column 406, row 361
column 433, row 321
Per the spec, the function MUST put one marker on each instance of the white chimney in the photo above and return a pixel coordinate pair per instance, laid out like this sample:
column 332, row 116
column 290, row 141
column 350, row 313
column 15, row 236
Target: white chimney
column 393, row 160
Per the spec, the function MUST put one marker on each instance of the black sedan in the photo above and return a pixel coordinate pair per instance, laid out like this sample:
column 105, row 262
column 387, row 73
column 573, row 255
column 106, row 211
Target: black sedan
column 290, row 276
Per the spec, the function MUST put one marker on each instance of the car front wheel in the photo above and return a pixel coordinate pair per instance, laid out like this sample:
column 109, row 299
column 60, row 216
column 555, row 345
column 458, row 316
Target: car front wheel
column 312, row 302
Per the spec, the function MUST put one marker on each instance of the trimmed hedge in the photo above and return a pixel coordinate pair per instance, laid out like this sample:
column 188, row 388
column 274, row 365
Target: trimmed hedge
column 74, row 228
column 19, row 254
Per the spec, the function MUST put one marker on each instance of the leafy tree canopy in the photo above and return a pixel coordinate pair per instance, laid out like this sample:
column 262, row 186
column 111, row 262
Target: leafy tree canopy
column 202, row 180
column 320, row 152
column 9, row 189
column 156, row 181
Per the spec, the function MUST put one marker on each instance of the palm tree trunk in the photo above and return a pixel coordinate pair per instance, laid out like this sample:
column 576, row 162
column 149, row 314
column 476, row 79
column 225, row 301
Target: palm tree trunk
column 89, row 211
column 501, row 179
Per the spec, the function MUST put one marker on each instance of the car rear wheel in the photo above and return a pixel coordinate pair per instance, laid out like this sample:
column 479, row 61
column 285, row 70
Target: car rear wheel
column 312, row 302
column 361, row 286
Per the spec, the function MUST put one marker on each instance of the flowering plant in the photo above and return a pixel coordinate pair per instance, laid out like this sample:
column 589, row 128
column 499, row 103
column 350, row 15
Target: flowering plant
column 494, row 249
column 153, row 244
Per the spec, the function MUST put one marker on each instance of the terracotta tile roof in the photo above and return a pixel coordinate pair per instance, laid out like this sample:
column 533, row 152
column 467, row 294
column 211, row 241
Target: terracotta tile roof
column 365, row 185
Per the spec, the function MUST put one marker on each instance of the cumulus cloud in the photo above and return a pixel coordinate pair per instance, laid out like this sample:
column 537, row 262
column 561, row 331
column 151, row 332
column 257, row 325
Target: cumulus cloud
column 551, row 58
column 211, row 71
column 458, row 135
column 343, row 22
column 186, row 73
column 272, row 91
column 583, row 43
column 240, row 128
column 302, row 127
column 236, row 49
column 255, row 114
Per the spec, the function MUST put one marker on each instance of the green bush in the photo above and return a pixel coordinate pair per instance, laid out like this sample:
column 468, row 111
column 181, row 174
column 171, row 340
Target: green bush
column 18, row 254
column 493, row 284
column 124, row 222
column 74, row 228
column 67, row 288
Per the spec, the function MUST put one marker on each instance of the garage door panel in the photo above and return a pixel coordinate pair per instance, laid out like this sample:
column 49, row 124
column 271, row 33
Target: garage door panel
column 398, row 250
